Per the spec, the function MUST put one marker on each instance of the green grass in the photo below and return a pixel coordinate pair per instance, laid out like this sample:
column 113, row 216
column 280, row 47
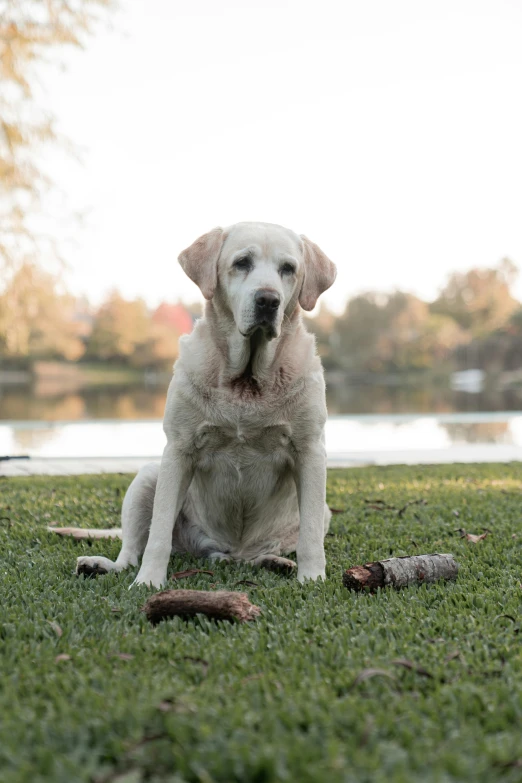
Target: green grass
column 278, row 699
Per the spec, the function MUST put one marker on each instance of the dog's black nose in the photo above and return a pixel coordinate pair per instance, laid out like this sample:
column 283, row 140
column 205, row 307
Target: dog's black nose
column 267, row 303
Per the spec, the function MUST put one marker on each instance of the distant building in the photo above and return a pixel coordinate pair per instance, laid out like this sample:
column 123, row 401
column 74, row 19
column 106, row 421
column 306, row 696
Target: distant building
column 174, row 315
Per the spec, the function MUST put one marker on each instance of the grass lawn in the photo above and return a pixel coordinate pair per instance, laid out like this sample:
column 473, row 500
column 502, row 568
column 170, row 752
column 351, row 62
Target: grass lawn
column 89, row 691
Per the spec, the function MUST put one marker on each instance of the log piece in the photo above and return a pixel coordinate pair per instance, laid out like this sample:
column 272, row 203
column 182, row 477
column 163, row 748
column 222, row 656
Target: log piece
column 401, row 571
column 219, row 605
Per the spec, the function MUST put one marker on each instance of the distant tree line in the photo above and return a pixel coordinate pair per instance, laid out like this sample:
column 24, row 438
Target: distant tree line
column 474, row 322
column 40, row 320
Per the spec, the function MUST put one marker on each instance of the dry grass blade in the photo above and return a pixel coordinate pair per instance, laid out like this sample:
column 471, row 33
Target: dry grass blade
column 452, row 655
column 419, row 502
column 191, row 572
column 412, row 667
column 56, row 628
column 62, row 657
column 337, row 510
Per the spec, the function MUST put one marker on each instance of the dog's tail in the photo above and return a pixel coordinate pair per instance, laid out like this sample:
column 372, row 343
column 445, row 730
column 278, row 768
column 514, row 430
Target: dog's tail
column 80, row 532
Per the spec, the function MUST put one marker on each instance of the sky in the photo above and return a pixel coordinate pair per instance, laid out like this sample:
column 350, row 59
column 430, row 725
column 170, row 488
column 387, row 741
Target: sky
column 388, row 133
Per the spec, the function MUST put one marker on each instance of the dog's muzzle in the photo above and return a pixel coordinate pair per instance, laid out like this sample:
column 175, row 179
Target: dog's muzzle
column 266, row 304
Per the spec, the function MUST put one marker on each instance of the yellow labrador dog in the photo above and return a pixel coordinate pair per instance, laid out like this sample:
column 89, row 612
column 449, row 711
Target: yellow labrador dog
column 243, row 474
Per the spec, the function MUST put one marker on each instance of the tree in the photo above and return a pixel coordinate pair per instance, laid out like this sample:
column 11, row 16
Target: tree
column 37, row 318
column 30, row 32
column 414, row 338
column 359, row 329
column 390, row 332
column 479, row 300
column 327, row 339
column 120, row 328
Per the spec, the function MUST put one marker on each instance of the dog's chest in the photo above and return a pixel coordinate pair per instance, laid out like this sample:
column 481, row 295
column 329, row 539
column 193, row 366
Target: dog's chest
column 242, row 445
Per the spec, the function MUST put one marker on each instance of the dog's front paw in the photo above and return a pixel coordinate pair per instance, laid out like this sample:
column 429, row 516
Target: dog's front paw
column 93, row 566
column 275, row 563
column 311, row 572
column 150, row 580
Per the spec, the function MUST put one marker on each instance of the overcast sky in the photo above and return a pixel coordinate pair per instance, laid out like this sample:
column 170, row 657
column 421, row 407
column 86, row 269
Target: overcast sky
column 389, row 132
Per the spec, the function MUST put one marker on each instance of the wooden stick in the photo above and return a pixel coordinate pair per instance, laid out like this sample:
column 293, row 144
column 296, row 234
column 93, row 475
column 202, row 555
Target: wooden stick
column 401, row 571
column 81, row 533
column 219, row 605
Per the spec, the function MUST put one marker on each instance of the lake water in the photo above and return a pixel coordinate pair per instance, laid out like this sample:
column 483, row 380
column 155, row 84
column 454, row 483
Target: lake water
column 367, row 424
column 46, row 402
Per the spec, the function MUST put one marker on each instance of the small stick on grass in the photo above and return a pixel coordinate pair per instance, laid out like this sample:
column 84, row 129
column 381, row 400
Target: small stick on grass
column 401, row 571
column 218, row 605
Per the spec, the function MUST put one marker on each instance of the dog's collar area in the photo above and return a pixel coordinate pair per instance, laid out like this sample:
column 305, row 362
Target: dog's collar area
column 246, row 382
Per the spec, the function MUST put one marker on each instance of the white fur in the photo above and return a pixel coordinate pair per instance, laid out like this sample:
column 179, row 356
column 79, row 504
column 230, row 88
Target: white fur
column 243, row 474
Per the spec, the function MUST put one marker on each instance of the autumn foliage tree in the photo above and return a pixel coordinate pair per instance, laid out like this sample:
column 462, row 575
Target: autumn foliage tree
column 120, row 329
column 37, row 317
column 31, row 32
column 479, row 300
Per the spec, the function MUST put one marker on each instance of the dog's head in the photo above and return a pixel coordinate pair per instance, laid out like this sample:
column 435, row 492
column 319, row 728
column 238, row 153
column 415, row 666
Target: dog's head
column 260, row 271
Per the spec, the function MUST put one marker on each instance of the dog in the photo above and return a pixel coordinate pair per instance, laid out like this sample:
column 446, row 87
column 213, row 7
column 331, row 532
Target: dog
column 243, row 474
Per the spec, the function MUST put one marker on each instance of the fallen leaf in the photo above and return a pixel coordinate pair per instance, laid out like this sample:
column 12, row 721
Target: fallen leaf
column 412, row 667
column 455, row 513
column 191, row 572
column 62, row 657
column 116, row 609
column 336, row 510
column 165, row 706
column 56, row 628
column 474, row 539
column 247, row 582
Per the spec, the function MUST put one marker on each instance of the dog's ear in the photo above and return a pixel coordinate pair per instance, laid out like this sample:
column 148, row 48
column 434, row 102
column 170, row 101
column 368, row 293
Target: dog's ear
column 199, row 261
column 319, row 274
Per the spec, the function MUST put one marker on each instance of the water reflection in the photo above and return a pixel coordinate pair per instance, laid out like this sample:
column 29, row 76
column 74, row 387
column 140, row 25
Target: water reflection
column 49, row 403
column 366, row 437
column 479, row 432
column 349, row 398
column 30, row 404
column 126, row 421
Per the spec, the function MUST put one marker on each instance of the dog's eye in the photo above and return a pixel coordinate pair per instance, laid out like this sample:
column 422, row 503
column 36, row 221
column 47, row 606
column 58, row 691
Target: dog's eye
column 287, row 269
column 243, row 264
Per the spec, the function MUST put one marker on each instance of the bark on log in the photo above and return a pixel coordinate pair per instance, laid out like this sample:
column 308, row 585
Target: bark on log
column 219, row 605
column 401, row 571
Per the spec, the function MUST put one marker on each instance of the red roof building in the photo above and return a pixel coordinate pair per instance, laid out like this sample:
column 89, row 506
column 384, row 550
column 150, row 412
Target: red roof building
column 174, row 315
